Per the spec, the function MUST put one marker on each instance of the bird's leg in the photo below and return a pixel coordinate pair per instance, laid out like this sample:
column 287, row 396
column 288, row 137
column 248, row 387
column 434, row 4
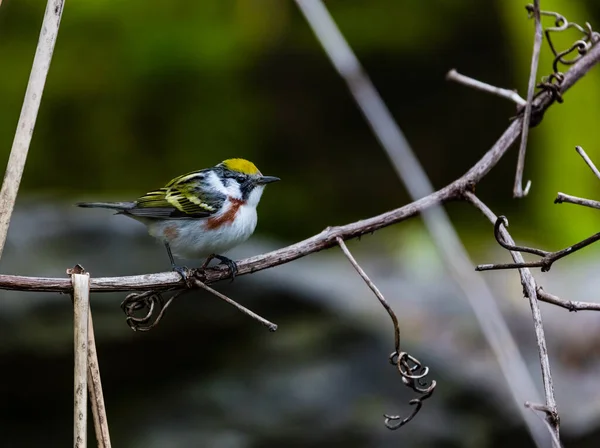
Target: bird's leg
column 181, row 270
column 232, row 265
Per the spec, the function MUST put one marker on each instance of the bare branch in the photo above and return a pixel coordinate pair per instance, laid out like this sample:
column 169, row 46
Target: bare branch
column 29, row 111
column 511, row 95
column 530, row 290
column 588, row 161
column 375, row 290
column 518, row 190
column 570, row 305
column 567, row 198
column 270, row 325
column 325, row 239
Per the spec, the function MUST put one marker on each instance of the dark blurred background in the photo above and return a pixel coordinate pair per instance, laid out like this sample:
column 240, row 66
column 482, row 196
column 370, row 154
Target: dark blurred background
column 140, row 92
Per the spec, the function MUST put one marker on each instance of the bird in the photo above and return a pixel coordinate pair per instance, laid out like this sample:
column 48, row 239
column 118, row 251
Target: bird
column 201, row 214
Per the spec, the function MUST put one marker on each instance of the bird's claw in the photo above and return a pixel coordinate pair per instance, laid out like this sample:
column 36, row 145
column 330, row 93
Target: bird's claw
column 232, row 265
column 181, row 270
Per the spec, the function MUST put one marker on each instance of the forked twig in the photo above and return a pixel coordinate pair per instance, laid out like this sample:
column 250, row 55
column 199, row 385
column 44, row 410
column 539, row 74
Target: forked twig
column 410, row 368
column 530, row 290
column 547, row 258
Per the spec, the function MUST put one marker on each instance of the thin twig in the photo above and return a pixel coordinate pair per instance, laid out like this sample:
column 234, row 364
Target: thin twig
column 81, row 302
column 588, row 161
column 530, row 290
column 567, row 198
column 375, row 290
column 270, row 325
column 518, row 190
column 511, row 95
column 95, row 390
column 29, row 111
column 411, row 369
column 571, row 305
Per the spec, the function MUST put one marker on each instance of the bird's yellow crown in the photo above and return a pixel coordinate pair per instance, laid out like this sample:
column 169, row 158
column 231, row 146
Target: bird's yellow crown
column 240, row 165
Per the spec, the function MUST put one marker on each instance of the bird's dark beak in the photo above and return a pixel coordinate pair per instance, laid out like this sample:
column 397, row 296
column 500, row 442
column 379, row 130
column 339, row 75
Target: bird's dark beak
column 266, row 180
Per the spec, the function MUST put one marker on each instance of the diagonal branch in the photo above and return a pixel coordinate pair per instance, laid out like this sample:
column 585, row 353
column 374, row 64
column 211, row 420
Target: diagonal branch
column 29, row 111
column 325, row 239
column 530, row 290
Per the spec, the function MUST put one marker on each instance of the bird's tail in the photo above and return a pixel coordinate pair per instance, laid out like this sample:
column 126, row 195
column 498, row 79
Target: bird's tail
column 119, row 206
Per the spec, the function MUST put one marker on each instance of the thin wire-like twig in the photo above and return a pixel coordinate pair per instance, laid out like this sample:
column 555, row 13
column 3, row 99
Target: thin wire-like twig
column 29, row 111
column 410, row 171
column 81, row 302
column 270, row 325
column 375, row 290
column 530, row 290
column 518, row 190
column 510, row 95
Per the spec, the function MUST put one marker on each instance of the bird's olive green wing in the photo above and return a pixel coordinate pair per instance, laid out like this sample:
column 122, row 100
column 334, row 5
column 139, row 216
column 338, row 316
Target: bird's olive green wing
column 185, row 196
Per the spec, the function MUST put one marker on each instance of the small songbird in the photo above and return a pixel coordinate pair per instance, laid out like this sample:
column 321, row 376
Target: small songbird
column 200, row 214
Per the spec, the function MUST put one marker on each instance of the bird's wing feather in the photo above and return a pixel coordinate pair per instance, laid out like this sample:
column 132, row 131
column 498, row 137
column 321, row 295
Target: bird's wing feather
column 182, row 197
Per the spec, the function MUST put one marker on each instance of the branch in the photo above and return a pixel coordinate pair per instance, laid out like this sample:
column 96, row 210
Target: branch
column 29, row 111
column 327, row 238
column 568, row 199
column 511, row 95
column 530, row 290
column 81, row 305
column 518, row 190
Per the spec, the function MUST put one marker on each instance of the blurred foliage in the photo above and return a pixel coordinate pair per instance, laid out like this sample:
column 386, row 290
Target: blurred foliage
column 138, row 94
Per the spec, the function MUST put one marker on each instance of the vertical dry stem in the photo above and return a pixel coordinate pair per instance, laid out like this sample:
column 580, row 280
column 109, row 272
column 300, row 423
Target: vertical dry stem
column 95, row 388
column 81, row 307
column 29, row 111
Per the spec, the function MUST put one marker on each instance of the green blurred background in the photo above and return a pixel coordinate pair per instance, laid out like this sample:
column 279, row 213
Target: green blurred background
column 139, row 92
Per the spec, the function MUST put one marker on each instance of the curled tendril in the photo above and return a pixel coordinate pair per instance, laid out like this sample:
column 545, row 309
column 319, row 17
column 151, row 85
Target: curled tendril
column 413, row 374
column 152, row 303
column 502, row 221
column 581, row 47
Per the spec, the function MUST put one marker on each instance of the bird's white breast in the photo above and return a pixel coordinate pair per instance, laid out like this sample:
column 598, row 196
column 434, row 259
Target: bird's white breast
column 196, row 238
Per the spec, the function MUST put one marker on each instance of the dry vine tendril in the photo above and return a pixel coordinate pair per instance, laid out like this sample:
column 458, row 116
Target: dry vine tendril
column 552, row 83
column 411, row 369
column 547, row 257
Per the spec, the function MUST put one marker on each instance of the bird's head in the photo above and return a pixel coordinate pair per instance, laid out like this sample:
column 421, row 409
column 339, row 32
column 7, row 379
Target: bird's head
column 242, row 179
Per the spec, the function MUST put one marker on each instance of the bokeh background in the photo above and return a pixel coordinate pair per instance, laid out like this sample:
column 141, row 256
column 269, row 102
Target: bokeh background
column 139, row 92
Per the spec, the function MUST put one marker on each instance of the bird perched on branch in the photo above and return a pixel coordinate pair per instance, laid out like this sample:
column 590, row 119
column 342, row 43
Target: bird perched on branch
column 200, row 214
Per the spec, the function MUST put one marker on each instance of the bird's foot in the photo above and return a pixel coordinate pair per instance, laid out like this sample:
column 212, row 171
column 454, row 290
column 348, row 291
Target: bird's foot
column 181, row 270
column 232, row 265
